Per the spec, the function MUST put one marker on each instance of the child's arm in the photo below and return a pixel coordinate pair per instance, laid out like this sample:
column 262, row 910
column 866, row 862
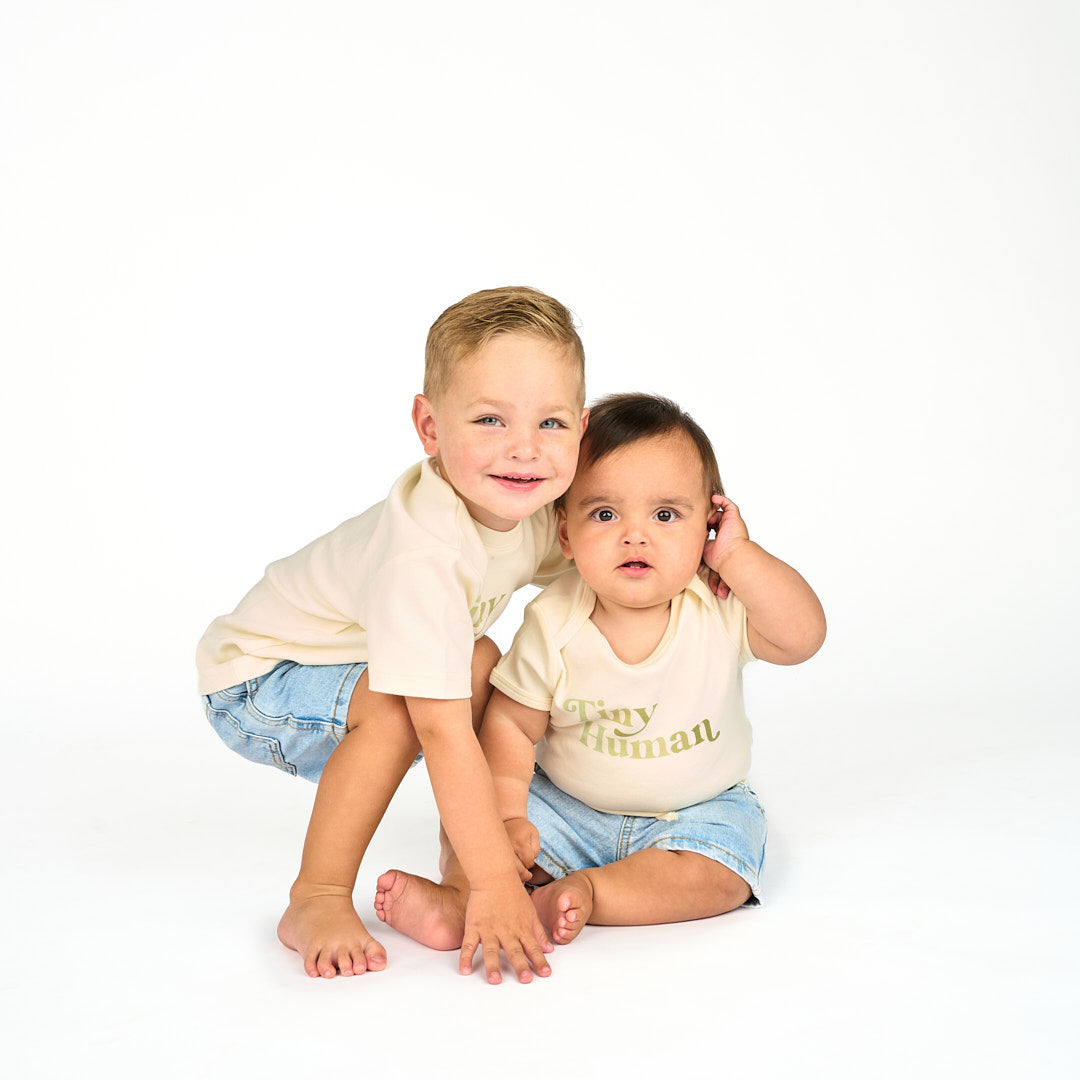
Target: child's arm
column 785, row 622
column 500, row 914
column 508, row 736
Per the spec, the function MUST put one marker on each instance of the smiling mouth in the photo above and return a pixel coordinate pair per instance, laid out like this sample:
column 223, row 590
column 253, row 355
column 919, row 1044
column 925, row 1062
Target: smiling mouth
column 522, row 480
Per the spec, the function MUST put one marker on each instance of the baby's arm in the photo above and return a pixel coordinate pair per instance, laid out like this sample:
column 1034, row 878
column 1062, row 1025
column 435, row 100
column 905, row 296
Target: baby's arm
column 785, row 621
column 500, row 914
column 508, row 736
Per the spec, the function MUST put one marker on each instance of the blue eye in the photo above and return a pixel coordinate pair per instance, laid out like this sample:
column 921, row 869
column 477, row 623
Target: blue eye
column 488, row 421
column 551, row 423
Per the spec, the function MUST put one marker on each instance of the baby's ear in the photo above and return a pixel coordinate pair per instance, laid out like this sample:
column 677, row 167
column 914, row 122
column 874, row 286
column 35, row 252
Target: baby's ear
column 560, row 525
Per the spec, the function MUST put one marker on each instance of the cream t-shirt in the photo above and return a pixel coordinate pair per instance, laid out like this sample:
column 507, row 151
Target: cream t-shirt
column 407, row 586
column 647, row 738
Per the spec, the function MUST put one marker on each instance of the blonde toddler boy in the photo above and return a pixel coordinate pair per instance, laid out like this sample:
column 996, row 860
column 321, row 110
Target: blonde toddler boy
column 367, row 646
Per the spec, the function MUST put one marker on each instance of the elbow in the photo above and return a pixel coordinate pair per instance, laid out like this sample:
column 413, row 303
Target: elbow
column 813, row 640
column 806, row 644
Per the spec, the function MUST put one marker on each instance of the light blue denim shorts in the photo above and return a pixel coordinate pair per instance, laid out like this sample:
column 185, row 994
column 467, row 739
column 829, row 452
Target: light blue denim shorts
column 293, row 717
column 729, row 829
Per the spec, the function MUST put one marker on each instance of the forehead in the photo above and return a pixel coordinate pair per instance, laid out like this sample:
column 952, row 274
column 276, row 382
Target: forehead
column 512, row 365
column 656, row 468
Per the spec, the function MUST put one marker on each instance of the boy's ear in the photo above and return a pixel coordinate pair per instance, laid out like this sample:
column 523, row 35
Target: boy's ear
column 423, row 418
column 564, row 540
column 584, row 420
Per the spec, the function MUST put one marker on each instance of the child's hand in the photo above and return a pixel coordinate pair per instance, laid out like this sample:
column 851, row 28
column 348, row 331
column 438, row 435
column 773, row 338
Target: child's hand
column 729, row 530
column 500, row 920
column 525, row 840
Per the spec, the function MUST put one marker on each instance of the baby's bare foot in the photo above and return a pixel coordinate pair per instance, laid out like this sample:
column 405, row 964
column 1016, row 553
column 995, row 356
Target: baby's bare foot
column 432, row 914
column 330, row 937
column 564, row 906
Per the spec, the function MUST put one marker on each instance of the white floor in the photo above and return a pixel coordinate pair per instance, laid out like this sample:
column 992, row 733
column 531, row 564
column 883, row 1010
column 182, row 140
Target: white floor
column 919, row 920
column 844, row 235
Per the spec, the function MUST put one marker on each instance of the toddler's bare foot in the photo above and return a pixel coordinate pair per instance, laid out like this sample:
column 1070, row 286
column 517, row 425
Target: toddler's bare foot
column 564, row 906
column 432, row 914
column 330, row 938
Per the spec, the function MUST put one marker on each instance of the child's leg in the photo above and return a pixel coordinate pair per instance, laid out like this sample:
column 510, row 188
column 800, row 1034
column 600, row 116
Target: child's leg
column 648, row 887
column 354, row 791
column 632, row 871
column 434, row 914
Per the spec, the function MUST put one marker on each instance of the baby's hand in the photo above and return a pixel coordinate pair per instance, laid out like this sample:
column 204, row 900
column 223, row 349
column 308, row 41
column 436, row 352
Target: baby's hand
column 729, row 530
column 525, row 840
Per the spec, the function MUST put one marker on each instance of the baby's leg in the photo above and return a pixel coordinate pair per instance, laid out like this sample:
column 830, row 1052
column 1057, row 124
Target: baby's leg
column 434, row 914
column 354, row 791
column 648, row 887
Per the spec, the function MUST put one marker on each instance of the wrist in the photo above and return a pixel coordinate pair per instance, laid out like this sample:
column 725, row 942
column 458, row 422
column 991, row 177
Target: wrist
column 737, row 551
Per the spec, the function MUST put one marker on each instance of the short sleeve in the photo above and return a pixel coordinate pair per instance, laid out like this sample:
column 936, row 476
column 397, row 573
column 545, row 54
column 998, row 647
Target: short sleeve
column 420, row 635
column 733, row 616
column 528, row 672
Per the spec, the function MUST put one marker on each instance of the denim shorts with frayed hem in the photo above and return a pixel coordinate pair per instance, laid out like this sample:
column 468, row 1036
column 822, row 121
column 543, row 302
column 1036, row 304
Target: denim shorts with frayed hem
column 293, row 717
column 729, row 829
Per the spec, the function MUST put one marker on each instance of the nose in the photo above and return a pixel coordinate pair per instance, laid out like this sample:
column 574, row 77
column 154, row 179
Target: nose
column 634, row 535
column 524, row 445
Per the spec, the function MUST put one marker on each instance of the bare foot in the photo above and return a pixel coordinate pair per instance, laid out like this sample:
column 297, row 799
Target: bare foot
column 330, row 938
column 564, row 906
column 432, row 914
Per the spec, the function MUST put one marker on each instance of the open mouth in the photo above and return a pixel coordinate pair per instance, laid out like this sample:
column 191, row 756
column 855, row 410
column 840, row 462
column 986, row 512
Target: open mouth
column 634, row 564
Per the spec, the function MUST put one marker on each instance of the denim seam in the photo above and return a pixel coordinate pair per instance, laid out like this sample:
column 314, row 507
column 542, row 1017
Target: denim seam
column 555, row 862
column 626, row 837
column 341, row 694
column 706, row 844
column 272, row 745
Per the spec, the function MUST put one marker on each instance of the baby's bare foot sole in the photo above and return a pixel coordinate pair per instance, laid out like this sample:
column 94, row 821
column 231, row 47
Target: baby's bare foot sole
column 330, row 937
column 564, row 906
column 432, row 914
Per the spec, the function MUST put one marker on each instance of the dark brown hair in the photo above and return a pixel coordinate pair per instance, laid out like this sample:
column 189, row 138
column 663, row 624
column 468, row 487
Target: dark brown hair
column 618, row 420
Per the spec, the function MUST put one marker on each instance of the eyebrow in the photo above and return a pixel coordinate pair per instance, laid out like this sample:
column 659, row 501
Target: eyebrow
column 676, row 502
column 503, row 406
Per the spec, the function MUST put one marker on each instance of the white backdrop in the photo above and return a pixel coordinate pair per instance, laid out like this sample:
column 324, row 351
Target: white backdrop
column 843, row 234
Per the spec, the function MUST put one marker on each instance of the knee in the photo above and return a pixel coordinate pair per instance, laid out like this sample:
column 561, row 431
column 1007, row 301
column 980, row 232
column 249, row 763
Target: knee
column 387, row 712
column 485, row 656
column 731, row 891
column 719, row 888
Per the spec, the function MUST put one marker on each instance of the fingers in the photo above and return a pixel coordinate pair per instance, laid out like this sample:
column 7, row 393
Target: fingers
column 491, row 963
column 465, row 958
column 525, row 956
column 718, row 586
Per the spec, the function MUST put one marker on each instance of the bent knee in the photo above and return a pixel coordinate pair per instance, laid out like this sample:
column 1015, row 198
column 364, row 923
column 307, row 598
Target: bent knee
column 485, row 656
column 720, row 888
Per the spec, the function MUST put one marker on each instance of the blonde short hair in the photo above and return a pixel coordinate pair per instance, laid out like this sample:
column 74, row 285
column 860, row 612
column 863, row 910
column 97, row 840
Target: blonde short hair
column 471, row 323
